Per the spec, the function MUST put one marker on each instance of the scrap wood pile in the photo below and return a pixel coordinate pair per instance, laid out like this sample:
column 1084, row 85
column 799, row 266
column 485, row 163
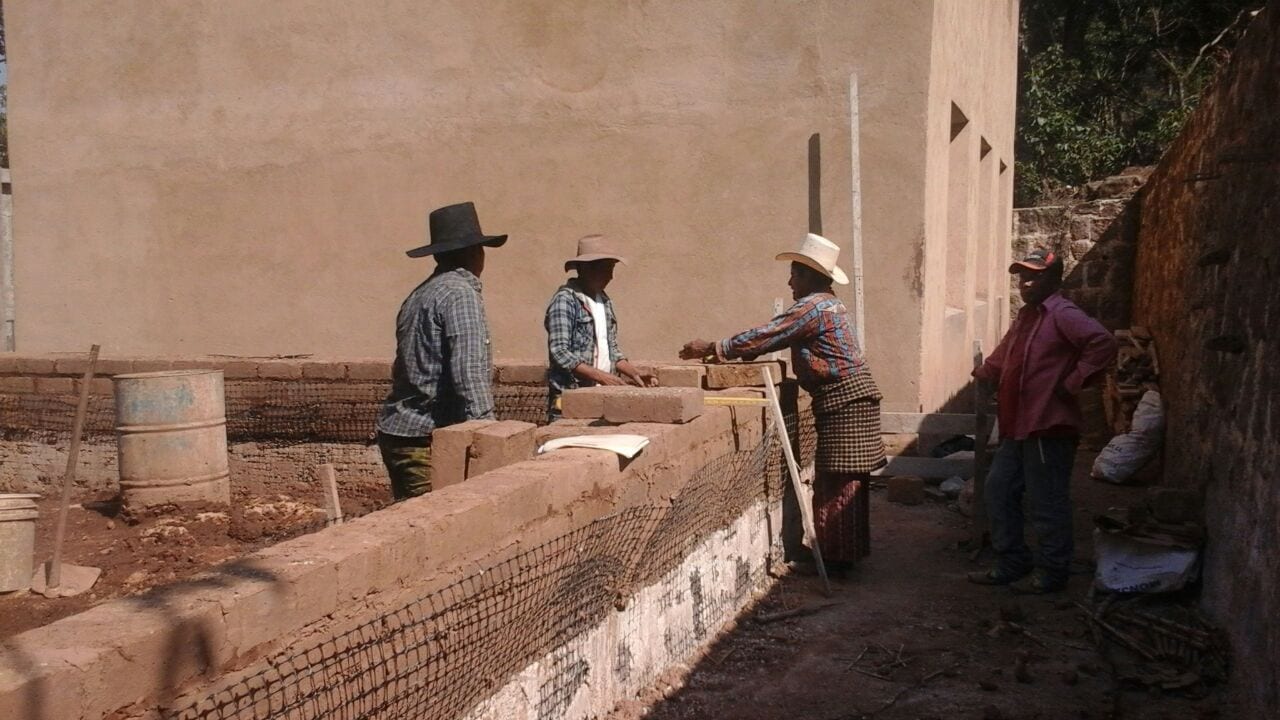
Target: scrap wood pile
column 1136, row 370
column 1158, row 644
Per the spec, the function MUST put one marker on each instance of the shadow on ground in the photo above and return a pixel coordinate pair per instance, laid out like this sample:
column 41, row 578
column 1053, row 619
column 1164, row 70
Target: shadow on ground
column 910, row 638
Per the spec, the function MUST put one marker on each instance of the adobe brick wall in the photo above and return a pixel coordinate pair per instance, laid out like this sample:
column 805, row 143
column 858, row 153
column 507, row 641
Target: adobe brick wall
column 124, row 657
column 1206, row 287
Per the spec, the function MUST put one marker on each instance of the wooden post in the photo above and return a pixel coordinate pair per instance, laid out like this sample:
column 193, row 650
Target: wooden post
column 329, row 486
column 806, row 511
column 982, row 433
column 53, row 573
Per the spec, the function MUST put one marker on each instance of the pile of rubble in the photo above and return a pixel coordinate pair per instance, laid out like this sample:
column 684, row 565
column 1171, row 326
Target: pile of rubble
column 1136, row 370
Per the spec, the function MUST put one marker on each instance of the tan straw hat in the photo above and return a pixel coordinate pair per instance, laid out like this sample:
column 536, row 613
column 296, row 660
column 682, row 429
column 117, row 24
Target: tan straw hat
column 592, row 248
column 820, row 254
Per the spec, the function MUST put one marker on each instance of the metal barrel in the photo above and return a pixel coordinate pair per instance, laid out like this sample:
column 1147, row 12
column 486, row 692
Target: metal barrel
column 171, row 434
column 17, row 540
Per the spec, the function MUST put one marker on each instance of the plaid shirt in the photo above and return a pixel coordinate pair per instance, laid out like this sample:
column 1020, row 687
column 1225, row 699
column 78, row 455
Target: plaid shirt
column 443, row 367
column 816, row 328
column 571, row 337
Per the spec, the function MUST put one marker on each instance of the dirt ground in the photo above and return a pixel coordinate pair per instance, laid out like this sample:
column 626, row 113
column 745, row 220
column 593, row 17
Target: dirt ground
column 910, row 638
column 137, row 552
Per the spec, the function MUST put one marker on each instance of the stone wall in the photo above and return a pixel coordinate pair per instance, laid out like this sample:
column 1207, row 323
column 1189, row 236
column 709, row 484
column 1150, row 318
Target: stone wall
column 1205, row 285
column 1095, row 233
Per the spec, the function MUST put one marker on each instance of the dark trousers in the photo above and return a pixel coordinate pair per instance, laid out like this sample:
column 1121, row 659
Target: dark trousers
column 1040, row 469
column 408, row 462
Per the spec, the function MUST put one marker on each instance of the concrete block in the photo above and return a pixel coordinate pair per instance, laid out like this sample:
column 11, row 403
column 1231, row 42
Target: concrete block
column 55, row 386
column 280, row 370
column 17, row 385
column 906, row 489
column 449, row 450
column 583, row 403
column 369, row 370
column 681, row 375
column 521, row 373
column 503, row 443
column 313, row 370
column 659, row 405
column 727, row 375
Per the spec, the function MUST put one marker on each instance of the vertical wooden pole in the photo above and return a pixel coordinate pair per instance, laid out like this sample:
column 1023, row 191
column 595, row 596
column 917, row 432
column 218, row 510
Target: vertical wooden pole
column 806, row 511
column 329, row 486
column 53, row 573
column 980, row 461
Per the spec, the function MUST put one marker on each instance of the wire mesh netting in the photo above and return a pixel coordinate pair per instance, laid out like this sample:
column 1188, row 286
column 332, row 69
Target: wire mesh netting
column 291, row 411
column 439, row 655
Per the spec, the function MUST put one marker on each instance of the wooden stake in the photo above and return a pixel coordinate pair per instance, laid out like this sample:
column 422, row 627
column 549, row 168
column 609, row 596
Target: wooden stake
column 806, row 512
column 54, row 572
column 329, row 486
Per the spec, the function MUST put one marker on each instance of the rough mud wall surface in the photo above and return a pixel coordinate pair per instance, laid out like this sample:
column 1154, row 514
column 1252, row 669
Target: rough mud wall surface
column 440, row 655
column 1207, row 263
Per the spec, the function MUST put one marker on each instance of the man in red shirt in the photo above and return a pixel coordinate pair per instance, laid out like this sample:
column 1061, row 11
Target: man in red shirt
column 1052, row 350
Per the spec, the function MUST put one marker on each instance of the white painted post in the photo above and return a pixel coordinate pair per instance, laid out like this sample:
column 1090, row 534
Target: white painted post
column 329, row 486
column 855, row 196
column 806, row 512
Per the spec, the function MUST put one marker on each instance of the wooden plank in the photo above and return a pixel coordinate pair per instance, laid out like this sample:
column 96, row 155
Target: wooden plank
column 927, row 467
column 928, row 423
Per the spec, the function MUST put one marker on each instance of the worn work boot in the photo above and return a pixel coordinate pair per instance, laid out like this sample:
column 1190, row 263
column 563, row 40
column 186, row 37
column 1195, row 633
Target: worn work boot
column 1038, row 583
column 993, row 577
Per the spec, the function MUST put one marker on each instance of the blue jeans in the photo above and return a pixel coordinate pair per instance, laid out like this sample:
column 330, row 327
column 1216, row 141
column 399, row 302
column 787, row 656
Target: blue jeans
column 1040, row 468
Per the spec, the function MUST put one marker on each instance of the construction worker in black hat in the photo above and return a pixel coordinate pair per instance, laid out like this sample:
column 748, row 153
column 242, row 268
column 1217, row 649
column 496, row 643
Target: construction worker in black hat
column 443, row 366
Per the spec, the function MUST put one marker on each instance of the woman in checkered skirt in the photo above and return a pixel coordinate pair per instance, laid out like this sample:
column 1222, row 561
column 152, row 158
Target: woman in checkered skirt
column 846, row 402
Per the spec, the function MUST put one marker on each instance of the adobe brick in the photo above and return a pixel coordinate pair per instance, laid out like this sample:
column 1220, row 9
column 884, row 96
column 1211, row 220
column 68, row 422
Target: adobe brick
column 582, row 403
column 8, row 363
column 236, row 368
column 521, row 373
column 449, row 446
column 681, row 375
column 729, row 375
column 197, row 364
column 98, row 386
column 280, row 370
column 369, row 370
column 144, row 365
column 502, row 443
column 661, row 405
column 34, row 365
column 906, row 489
column 55, row 386
column 314, row 370
column 17, row 384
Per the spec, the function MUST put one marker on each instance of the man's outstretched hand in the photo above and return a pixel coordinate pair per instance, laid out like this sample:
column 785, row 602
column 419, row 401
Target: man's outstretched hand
column 696, row 350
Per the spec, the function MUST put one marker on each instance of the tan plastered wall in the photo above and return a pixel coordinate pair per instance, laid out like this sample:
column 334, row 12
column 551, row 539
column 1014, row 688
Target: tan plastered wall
column 974, row 67
column 241, row 177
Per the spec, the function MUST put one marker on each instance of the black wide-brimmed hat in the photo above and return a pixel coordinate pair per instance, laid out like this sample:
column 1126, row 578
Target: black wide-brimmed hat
column 454, row 227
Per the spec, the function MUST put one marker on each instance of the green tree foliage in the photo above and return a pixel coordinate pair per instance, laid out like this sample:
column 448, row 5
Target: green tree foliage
column 1104, row 84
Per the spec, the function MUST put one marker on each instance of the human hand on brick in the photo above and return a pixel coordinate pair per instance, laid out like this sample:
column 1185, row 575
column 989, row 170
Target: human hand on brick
column 696, row 350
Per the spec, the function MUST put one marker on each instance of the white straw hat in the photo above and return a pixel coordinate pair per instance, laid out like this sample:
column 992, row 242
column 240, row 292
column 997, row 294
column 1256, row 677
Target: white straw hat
column 820, row 254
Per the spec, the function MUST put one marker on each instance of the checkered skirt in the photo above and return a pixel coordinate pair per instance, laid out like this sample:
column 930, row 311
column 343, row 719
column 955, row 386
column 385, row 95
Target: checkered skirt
column 847, row 417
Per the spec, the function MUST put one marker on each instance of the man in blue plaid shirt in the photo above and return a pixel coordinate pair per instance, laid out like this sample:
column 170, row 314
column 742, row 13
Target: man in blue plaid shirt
column 582, row 330
column 443, row 366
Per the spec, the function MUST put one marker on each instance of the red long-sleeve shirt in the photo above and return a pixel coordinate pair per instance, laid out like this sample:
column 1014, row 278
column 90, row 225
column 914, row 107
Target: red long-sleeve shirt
column 1052, row 350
